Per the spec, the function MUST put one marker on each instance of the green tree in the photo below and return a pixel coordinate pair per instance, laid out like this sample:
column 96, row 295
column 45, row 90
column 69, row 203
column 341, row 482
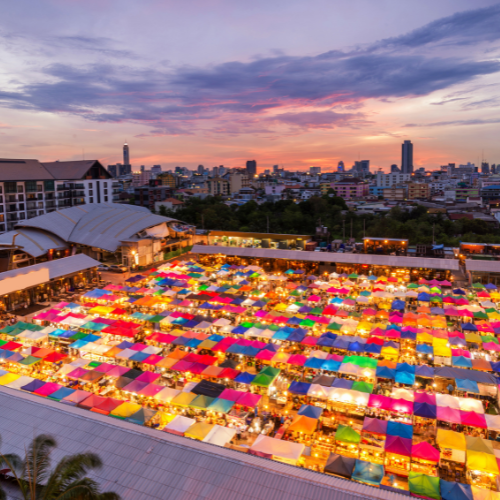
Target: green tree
column 67, row 481
column 162, row 210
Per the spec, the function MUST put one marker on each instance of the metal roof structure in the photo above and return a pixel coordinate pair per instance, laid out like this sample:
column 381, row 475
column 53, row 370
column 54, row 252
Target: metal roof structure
column 34, row 242
column 485, row 266
column 141, row 463
column 330, row 257
column 64, row 170
column 27, row 170
column 56, row 268
column 101, row 225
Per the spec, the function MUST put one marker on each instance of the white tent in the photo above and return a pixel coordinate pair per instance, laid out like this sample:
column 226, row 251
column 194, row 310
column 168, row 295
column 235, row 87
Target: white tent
column 493, row 422
column 403, row 394
column 20, row 382
column 277, row 449
column 222, row 322
column 447, row 400
column 179, row 425
column 318, row 391
column 166, row 395
column 470, row 404
column 219, row 435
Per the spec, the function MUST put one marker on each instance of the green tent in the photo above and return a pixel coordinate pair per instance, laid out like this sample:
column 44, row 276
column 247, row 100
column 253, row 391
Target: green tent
column 157, row 318
column 221, row 405
column 316, row 310
column 347, row 434
column 362, row 361
column 436, row 299
column 435, row 289
column 489, row 338
column 201, row 402
column 334, row 326
column 480, row 315
column 30, row 360
column 477, row 285
column 362, row 387
column 247, row 324
column 425, row 486
column 365, row 293
column 141, row 417
column 307, row 322
column 353, row 276
column 78, row 336
column 266, row 377
column 412, row 285
column 94, row 364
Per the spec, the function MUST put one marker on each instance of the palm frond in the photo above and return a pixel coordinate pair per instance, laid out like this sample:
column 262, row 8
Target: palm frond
column 37, row 462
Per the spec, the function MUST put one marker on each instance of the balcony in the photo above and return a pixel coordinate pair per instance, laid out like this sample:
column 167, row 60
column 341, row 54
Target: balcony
column 11, row 208
column 12, row 218
column 50, row 204
column 31, row 214
column 50, row 196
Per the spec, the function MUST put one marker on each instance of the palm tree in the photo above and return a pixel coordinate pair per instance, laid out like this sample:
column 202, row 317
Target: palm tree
column 67, row 481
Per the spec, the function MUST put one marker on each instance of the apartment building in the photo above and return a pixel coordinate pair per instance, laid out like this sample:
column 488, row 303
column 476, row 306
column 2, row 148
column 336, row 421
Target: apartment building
column 392, row 179
column 418, row 191
column 29, row 188
column 217, row 186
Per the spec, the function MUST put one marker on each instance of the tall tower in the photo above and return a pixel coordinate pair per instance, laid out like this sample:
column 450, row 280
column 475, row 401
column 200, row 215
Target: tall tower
column 407, row 157
column 126, row 157
column 251, row 168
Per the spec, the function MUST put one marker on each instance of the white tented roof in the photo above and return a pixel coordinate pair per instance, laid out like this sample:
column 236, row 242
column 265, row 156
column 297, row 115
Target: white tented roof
column 101, row 225
column 141, row 463
column 333, row 257
column 485, row 266
column 34, row 242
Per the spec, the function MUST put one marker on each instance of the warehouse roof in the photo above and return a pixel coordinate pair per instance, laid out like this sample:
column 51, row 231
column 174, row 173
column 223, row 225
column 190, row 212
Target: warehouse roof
column 32, row 170
column 56, row 268
column 32, row 241
column 101, row 225
column 141, row 463
column 341, row 258
column 485, row 266
column 62, row 170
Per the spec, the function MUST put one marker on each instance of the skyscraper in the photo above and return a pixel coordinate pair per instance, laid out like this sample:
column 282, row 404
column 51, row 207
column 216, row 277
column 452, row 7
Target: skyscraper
column 126, row 157
column 395, row 169
column 251, row 168
column 407, row 157
column 341, row 166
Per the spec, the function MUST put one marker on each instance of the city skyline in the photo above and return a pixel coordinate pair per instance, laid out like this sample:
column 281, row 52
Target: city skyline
column 310, row 90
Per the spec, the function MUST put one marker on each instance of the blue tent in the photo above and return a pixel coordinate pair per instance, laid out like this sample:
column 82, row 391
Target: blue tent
column 61, row 393
column 315, row 363
column 236, row 349
column 79, row 344
column 220, row 405
column 294, row 321
column 405, row 367
column 425, row 349
column 33, row 385
column 457, row 341
column 271, row 347
column 326, row 342
column 496, row 366
column 367, row 472
column 301, row 388
column 296, row 337
column 340, row 344
column 405, row 378
column 459, row 291
column 215, row 337
column 310, row 411
column 424, row 371
column 250, row 351
column 455, row 491
column 245, row 378
column 409, row 335
column 281, row 335
column 398, row 305
column 461, row 361
column 342, row 383
column 331, row 365
column 180, row 341
column 139, row 356
column 424, row 410
column 385, row 372
column 469, row 326
column 490, row 286
column 355, row 347
column 399, row 429
column 467, row 385
column 239, row 330
column 424, row 297
column 373, row 348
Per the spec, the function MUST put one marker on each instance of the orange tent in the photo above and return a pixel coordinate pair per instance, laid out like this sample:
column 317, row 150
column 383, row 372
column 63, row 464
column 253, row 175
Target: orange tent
column 303, row 424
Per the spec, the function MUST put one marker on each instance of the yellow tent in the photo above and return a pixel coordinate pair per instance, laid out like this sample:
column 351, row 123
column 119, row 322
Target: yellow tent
column 482, row 494
column 364, row 325
column 472, row 337
column 440, row 350
column 281, row 307
column 165, row 418
column 199, row 430
column 450, row 439
column 125, row 410
column 483, row 462
column 8, row 378
column 183, row 399
column 424, row 337
column 101, row 310
column 389, row 352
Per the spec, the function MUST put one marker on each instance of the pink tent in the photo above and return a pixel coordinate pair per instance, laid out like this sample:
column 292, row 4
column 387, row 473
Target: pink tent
column 425, row 451
column 343, row 291
column 473, row 419
column 460, row 352
column 423, row 397
column 451, row 311
column 336, row 357
column 392, row 334
column 314, row 298
column 260, row 314
column 462, row 302
column 491, row 346
column 48, row 389
column 249, row 399
column 447, row 414
column 231, row 394
column 401, row 406
column 266, row 355
column 104, row 368
column 76, row 397
column 150, row 390
column 465, row 313
column 398, row 445
column 349, row 302
column 445, row 283
column 376, row 401
column 153, row 359
column 77, row 373
column 138, row 347
column 369, row 312
column 297, row 359
column 378, row 332
column 117, row 371
column 149, row 377
column 456, row 333
column 375, row 340
column 395, row 319
column 310, row 340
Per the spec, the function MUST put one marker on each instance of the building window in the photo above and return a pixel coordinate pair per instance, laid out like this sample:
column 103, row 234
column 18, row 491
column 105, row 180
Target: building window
column 10, row 187
column 39, row 188
column 91, row 200
column 40, row 212
column 31, row 186
column 20, row 188
column 91, row 193
column 2, row 227
column 48, row 185
column 90, row 185
column 21, row 206
column 22, row 216
column 105, row 198
column 105, row 184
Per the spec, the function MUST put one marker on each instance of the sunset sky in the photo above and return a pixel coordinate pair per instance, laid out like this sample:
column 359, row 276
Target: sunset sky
column 218, row 82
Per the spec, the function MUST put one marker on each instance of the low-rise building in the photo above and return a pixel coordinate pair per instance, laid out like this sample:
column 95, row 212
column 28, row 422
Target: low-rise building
column 391, row 179
column 418, row 191
column 217, row 186
column 351, row 188
column 172, row 204
column 395, row 193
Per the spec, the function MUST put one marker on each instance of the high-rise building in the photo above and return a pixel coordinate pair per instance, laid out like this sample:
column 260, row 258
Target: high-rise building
column 276, row 169
column 201, row 169
column 126, row 155
column 156, row 169
column 341, row 167
column 315, row 170
column 407, row 157
column 493, row 169
column 251, row 168
column 395, row 169
column 143, row 168
column 485, row 167
column 215, row 172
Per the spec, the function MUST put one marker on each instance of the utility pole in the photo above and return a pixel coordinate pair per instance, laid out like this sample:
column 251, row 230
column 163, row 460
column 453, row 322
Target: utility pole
column 433, row 235
column 343, row 229
column 202, row 220
column 364, row 228
column 351, row 229
column 267, row 217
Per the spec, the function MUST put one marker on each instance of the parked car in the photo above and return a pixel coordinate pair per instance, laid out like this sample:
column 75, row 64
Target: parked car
column 117, row 269
column 103, row 267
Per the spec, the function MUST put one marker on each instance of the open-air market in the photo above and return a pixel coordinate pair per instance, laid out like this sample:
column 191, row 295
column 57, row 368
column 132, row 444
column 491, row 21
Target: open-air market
column 378, row 379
